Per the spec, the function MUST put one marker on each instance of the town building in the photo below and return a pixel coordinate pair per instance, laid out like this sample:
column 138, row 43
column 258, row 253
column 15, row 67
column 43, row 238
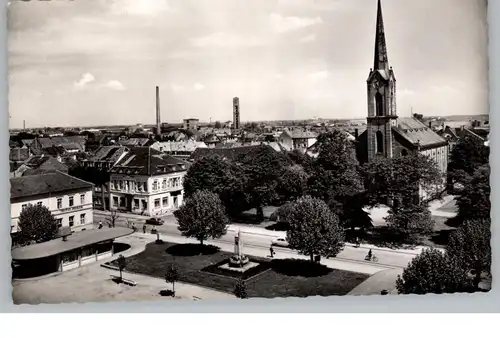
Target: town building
column 181, row 150
column 453, row 135
column 70, row 144
column 386, row 134
column 298, row 139
column 147, row 182
column 67, row 252
column 68, row 198
column 190, row 124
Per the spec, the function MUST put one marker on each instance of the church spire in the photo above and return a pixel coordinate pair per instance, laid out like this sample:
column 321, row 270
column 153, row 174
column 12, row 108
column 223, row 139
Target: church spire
column 380, row 60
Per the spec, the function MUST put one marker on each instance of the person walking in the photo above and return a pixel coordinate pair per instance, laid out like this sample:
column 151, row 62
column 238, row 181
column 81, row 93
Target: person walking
column 100, row 225
column 144, row 228
column 271, row 250
column 369, row 256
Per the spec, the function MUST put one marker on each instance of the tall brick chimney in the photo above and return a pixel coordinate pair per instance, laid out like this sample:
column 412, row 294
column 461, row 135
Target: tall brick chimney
column 356, row 133
column 158, row 118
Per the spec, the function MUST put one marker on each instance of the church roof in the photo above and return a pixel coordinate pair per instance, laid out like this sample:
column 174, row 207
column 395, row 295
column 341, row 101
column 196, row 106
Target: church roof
column 416, row 132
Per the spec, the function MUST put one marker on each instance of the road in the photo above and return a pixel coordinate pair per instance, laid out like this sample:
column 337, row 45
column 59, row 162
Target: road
column 261, row 242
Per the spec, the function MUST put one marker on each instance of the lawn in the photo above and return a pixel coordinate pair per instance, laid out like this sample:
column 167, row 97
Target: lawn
column 273, row 278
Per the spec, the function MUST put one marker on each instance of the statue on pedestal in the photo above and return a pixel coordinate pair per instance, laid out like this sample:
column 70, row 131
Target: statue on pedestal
column 238, row 259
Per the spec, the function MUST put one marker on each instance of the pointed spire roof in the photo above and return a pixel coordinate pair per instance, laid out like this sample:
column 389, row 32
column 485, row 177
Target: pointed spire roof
column 380, row 60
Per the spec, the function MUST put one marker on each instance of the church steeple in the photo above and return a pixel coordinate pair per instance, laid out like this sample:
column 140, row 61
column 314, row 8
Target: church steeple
column 380, row 61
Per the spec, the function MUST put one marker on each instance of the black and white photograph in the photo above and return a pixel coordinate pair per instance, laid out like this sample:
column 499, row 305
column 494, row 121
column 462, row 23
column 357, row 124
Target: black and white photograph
column 166, row 150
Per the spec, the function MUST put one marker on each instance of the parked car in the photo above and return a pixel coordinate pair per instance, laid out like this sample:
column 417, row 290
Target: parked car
column 280, row 242
column 155, row 221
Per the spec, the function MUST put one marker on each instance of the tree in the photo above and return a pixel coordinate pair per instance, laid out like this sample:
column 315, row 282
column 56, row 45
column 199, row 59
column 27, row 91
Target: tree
column 219, row 176
column 172, row 276
column 217, row 125
column 471, row 246
column 300, row 158
column 262, row 168
column 473, row 201
column 122, row 264
column 467, row 156
column 202, row 216
column 433, row 272
column 335, row 178
column 240, row 289
column 410, row 219
column 112, row 218
column 36, row 224
column 293, row 183
column 314, row 229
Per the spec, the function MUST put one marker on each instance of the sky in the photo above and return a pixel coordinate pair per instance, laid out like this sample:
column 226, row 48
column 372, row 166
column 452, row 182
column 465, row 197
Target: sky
column 97, row 62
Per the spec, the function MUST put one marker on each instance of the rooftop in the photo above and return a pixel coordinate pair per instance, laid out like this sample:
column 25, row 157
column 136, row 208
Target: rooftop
column 47, row 183
column 416, row 132
column 147, row 161
column 73, row 241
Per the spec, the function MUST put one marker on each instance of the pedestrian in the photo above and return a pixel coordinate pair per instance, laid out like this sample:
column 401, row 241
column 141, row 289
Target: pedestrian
column 271, row 250
column 357, row 242
column 369, row 255
column 144, row 228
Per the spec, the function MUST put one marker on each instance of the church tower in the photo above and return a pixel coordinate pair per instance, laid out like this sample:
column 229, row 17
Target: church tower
column 381, row 92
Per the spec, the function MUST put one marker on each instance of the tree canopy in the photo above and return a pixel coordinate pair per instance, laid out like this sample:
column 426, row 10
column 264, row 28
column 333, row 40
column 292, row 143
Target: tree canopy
column 314, row 229
column 467, row 156
column 433, row 271
column 471, row 246
column 202, row 216
column 36, row 224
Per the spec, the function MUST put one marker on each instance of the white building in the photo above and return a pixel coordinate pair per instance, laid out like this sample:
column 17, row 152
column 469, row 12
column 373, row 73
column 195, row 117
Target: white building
column 298, row 139
column 68, row 198
column 147, row 182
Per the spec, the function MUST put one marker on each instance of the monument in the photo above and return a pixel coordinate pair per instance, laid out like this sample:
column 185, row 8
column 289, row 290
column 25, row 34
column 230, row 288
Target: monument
column 238, row 259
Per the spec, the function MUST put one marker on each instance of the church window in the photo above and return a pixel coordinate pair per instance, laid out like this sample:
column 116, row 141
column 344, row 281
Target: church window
column 380, row 142
column 379, row 104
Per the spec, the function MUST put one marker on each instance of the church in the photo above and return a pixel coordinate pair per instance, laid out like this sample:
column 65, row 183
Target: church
column 388, row 135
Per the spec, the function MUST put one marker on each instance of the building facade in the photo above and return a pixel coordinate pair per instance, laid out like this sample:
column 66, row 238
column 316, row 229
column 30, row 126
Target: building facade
column 386, row 134
column 298, row 139
column 147, row 182
column 68, row 198
column 190, row 124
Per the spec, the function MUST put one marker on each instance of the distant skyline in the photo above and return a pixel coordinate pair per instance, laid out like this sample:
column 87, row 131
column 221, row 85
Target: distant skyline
column 97, row 62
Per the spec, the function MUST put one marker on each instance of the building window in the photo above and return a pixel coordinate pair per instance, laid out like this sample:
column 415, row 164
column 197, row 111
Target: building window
column 82, row 219
column 39, row 204
column 380, row 142
column 71, row 202
column 145, row 186
column 115, row 201
column 71, row 220
column 155, row 185
column 164, row 184
column 136, row 203
column 59, row 203
column 157, row 203
column 144, row 204
column 122, row 202
column 165, row 201
column 24, row 206
column 379, row 104
column 82, row 199
column 59, row 222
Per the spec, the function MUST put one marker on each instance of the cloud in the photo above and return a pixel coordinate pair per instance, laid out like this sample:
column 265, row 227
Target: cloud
column 198, row 86
column 308, row 38
column 321, row 75
column 225, row 40
column 114, row 85
column 139, row 7
column 84, row 80
column 283, row 24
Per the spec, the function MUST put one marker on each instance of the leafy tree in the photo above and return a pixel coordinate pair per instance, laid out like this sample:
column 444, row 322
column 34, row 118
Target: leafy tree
column 36, row 224
column 217, row 125
column 219, row 176
column 410, row 219
column 314, row 229
column 471, row 246
column 122, row 264
column 293, row 183
column 433, row 272
column 300, row 158
column 401, row 178
column 335, row 178
column 112, row 218
column 202, row 216
column 240, row 289
column 467, row 156
column 473, row 202
column 262, row 168
column 172, row 275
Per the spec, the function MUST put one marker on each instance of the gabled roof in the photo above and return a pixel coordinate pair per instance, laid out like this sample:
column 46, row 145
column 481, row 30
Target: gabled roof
column 19, row 154
column 417, row 133
column 49, row 164
column 149, row 162
column 43, row 184
column 108, row 154
column 189, row 146
column 300, row 134
column 136, row 142
column 71, row 141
